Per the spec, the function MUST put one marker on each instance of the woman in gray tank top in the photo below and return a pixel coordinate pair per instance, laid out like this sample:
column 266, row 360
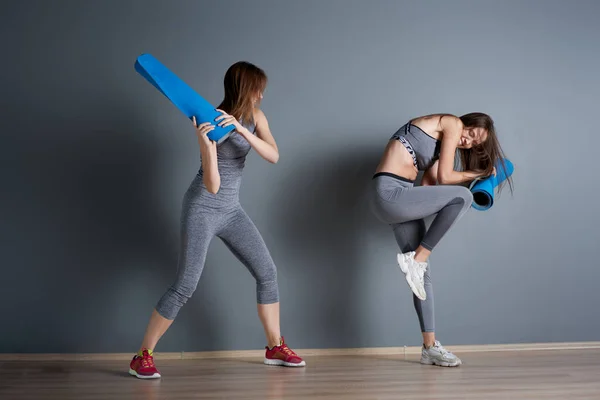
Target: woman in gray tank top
column 429, row 144
column 211, row 208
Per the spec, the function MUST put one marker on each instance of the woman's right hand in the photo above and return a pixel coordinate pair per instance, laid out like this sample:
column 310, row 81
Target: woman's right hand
column 202, row 133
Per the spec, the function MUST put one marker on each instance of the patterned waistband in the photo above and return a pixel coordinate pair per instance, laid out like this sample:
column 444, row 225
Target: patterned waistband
column 409, row 148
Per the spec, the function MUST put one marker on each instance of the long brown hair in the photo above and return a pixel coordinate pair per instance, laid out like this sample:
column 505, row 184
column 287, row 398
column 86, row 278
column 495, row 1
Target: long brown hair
column 243, row 81
column 483, row 157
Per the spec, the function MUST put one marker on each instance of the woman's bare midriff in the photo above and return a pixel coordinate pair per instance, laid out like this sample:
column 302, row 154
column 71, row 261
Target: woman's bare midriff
column 398, row 161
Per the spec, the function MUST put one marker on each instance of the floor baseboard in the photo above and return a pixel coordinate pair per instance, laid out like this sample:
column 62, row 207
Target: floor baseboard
column 369, row 351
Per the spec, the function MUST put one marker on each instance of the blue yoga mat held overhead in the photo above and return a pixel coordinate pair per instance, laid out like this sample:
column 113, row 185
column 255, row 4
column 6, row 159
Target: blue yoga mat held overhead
column 181, row 95
column 483, row 190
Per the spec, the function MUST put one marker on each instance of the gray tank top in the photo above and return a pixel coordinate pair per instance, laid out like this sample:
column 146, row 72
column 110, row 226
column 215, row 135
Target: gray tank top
column 231, row 158
column 424, row 149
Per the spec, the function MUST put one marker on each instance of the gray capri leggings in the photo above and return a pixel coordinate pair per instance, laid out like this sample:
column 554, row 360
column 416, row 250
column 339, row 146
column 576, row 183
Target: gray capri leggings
column 204, row 216
column 398, row 203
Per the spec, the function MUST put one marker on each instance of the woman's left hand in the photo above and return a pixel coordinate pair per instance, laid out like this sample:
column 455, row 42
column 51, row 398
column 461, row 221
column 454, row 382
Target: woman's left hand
column 226, row 120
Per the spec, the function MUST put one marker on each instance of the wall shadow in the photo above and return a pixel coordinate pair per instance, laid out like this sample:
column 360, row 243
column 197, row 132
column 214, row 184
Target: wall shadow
column 323, row 218
column 90, row 249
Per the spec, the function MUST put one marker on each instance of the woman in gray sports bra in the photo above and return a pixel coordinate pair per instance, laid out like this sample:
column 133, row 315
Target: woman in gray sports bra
column 429, row 144
column 211, row 208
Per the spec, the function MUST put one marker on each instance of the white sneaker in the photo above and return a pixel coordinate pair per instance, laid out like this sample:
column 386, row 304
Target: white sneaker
column 438, row 355
column 414, row 272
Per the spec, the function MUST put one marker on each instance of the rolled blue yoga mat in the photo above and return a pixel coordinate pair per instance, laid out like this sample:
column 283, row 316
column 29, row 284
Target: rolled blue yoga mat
column 483, row 190
column 181, row 95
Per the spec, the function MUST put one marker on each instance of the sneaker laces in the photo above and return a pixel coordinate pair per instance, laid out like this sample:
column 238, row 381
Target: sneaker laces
column 287, row 351
column 420, row 268
column 147, row 361
column 441, row 348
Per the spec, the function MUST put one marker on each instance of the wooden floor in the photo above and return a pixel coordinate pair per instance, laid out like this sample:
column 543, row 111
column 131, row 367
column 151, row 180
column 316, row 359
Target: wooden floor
column 566, row 374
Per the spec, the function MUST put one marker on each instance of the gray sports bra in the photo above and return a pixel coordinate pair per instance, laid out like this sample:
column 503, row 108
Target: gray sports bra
column 424, row 149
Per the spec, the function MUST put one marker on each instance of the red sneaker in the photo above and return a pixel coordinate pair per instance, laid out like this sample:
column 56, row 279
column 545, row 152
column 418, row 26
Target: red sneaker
column 143, row 366
column 283, row 355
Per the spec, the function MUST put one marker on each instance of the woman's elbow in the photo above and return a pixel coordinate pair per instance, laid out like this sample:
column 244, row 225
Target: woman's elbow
column 444, row 179
column 274, row 158
column 212, row 187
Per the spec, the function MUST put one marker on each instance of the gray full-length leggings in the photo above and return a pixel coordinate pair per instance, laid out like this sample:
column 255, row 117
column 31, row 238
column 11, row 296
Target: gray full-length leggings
column 398, row 203
column 204, row 216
